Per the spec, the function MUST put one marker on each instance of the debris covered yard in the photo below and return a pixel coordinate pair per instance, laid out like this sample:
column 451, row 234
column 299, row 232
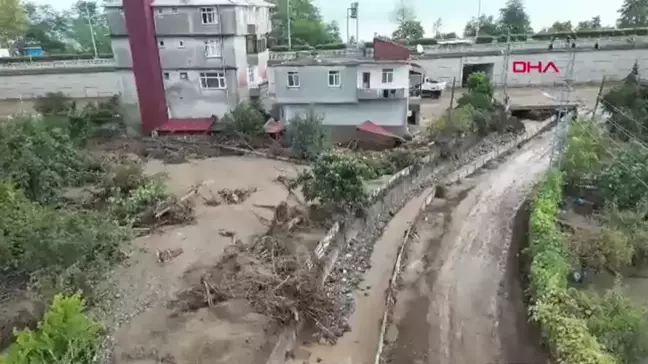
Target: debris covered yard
column 168, row 307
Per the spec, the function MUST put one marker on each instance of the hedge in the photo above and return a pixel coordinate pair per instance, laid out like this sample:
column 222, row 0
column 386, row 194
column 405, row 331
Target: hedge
column 567, row 336
column 54, row 57
column 484, row 39
column 331, row 46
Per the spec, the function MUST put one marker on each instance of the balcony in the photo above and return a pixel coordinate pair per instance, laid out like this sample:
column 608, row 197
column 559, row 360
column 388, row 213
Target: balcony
column 381, row 93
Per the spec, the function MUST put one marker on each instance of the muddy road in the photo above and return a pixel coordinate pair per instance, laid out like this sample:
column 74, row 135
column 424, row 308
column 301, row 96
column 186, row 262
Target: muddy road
column 461, row 300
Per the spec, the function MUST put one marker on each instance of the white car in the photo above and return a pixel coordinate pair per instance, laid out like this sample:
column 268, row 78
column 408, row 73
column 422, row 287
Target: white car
column 432, row 88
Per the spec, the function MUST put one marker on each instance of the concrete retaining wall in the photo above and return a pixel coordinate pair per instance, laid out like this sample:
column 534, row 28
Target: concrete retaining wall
column 390, row 197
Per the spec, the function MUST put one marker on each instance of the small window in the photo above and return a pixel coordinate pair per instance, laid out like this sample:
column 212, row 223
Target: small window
column 251, row 44
column 181, row 44
column 387, row 75
column 213, row 48
column 251, row 74
column 208, row 15
column 334, row 79
column 160, row 10
column 174, row 10
column 213, row 80
column 293, row 79
column 184, row 76
column 161, row 43
column 166, row 75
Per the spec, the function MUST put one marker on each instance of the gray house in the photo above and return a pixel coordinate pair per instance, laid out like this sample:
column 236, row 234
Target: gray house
column 345, row 92
column 213, row 53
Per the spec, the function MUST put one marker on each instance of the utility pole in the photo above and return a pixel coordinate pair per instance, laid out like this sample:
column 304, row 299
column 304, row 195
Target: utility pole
column 288, row 15
column 478, row 18
column 505, row 70
column 562, row 126
column 92, row 33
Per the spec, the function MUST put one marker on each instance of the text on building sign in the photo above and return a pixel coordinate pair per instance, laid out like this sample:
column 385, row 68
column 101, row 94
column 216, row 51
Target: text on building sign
column 534, row 67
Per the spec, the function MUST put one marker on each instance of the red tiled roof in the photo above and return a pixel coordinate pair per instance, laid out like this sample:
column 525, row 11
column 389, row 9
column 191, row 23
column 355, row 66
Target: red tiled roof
column 371, row 128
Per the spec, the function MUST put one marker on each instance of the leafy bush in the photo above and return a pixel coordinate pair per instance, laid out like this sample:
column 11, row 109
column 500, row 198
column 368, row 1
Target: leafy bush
column 54, row 103
column 40, row 159
column 621, row 178
column 617, row 323
column 478, row 82
column 60, row 248
column 423, row 41
column 585, row 153
column 307, row 135
column 64, row 336
column 484, row 39
column 462, row 122
column 566, row 333
column 279, row 48
column 331, row 46
column 135, row 207
column 245, row 119
column 336, row 179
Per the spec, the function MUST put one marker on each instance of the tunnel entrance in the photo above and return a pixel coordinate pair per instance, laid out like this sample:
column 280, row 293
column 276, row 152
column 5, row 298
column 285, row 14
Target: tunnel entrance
column 468, row 69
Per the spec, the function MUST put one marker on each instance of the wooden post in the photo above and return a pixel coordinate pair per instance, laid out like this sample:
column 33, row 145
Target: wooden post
column 598, row 97
column 452, row 93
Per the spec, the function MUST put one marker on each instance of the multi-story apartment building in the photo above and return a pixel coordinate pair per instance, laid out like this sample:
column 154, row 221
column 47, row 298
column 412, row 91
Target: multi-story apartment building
column 346, row 92
column 212, row 54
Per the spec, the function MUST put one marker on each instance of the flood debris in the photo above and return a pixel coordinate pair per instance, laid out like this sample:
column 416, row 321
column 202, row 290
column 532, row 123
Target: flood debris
column 167, row 255
column 271, row 274
column 227, row 196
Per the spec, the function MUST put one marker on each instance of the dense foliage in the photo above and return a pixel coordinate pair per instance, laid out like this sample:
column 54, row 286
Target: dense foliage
column 64, row 336
column 337, row 179
column 307, row 135
column 245, row 120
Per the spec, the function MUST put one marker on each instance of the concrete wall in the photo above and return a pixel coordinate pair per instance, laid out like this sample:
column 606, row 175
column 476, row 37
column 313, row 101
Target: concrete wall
column 81, row 84
column 343, row 118
column 187, row 99
column 589, row 67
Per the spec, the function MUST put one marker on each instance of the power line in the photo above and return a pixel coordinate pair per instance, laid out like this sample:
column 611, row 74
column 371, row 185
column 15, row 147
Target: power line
column 623, row 113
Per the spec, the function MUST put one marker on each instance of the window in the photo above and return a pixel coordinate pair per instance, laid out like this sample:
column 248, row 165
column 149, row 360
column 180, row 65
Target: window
column 213, row 80
column 387, row 75
column 251, row 44
column 213, row 48
column 208, row 15
column 166, row 75
column 121, row 11
column 293, row 79
column 366, row 79
column 181, row 44
column 161, row 43
column 334, row 79
column 160, row 10
column 251, row 74
column 174, row 10
column 184, row 76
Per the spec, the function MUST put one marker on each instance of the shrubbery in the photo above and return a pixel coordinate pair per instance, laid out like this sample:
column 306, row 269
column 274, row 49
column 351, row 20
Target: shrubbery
column 64, row 336
column 566, row 333
column 337, row 179
column 245, row 120
column 307, row 135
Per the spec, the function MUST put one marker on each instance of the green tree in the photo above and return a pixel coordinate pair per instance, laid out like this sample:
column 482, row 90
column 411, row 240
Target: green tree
column 81, row 14
column 409, row 30
column 13, row 21
column 47, row 27
column 558, row 27
column 592, row 24
column 408, row 27
column 513, row 18
column 633, row 14
column 333, row 32
column 307, row 26
column 486, row 25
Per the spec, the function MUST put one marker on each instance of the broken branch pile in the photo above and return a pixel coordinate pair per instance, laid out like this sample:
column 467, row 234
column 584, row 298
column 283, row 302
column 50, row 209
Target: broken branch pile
column 272, row 277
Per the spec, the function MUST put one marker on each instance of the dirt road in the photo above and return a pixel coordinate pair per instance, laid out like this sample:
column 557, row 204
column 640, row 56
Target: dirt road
column 459, row 308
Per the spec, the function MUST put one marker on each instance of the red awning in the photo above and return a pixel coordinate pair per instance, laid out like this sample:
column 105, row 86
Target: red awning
column 273, row 127
column 371, row 128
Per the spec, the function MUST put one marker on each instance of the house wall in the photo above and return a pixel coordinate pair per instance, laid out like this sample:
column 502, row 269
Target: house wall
column 314, row 85
column 187, row 99
column 381, row 112
column 401, row 76
column 179, row 19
